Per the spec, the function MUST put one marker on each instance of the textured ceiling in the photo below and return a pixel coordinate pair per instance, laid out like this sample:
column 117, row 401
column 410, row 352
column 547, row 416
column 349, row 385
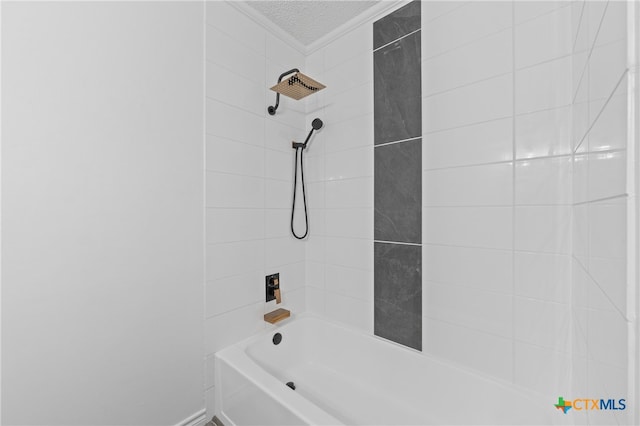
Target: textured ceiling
column 309, row 20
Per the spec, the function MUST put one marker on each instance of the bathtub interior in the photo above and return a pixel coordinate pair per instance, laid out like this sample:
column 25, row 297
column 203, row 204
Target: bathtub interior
column 361, row 379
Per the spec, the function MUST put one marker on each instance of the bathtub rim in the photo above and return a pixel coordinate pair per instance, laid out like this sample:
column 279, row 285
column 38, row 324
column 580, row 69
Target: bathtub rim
column 236, row 356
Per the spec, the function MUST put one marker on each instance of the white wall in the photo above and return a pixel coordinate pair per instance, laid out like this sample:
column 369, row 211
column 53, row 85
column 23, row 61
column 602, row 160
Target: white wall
column 102, row 213
column 249, row 164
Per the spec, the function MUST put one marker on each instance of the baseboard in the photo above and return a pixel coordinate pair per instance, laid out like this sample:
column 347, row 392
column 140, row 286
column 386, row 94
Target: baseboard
column 196, row 419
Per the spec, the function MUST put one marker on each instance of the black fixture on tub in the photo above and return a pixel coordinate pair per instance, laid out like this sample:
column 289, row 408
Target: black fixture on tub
column 272, row 288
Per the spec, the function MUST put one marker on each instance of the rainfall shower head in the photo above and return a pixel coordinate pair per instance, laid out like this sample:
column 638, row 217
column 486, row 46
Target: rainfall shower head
column 296, row 86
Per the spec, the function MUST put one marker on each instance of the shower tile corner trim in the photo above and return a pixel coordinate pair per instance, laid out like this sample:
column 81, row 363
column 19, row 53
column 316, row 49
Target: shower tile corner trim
column 398, row 176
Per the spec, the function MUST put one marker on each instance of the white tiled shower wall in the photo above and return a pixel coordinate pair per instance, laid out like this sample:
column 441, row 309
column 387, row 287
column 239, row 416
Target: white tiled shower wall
column 499, row 134
column 504, row 196
column 602, row 315
column 248, row 179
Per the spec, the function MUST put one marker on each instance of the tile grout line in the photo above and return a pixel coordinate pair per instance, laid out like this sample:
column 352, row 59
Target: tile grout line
column 513, row 193
column 396, row 40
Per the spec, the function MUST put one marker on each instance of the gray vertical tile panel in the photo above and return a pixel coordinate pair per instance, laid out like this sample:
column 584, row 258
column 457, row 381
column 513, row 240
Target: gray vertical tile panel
column 398, row 192
column 398, row 177
column 397, row 24
column 398, row 293
column 398, row 90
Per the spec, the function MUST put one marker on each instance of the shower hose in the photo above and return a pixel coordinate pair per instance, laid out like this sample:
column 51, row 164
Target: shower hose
column 304, row 195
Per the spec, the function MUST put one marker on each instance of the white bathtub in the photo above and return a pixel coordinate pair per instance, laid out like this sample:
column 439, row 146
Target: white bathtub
column 343, row 376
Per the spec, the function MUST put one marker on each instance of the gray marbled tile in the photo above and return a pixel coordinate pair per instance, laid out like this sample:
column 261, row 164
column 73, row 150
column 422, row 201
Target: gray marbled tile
column 397, row 24
column 397, row 91
column 398, row 192
column 398, row 293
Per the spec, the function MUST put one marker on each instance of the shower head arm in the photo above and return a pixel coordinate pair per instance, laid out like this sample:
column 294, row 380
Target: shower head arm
column 272, row 109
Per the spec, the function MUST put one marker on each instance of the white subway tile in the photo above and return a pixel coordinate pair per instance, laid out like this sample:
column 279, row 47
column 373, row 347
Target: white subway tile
column 315, row 195
column 580, row 178
column 315, row 275
column 315, row 300
column 278, row 194
column 231, row 88
column 607, row 337
column 434, row 9
column 543, row 86
column 316, row 249
column 294, row 300
column 283, row 251
column 527, row 10
column 233, row 123
column 474, row 349
column 356, row 70
column 482, row 59
column 234, row 191
column 484, row 185
column 228, row 259
column 233, row 292
column 479, row 102
column 543, row 324
column 236, row 24
column 349, row 252
column 356, row 42
column 228, row 156
column 279, row 165
column 608, row 230
column 544, row 277
column 609, row 289
column 614, row 23
column 606, row 65
column 231, row 327
column 488, row 227
column 350, row 103
column 470, row 307
column 545, row 229
column 278, row 136
column 607, row 174
column 349, row 134
column 579, row 27
column 543, row 38
column 349, row 193
column 277, row 222
column 553, row 379
column 228, row 225
column 610, row 128
column 354, row 163
column 353, row 312
column 544, row 133
column 231, row 54
column 350, row 282
column 292, row 275
column 463, row 25
column 580, row 216
column 543, row 181
column 281, row 53
column 481, row 143
column 350, row 223
column 485, row 269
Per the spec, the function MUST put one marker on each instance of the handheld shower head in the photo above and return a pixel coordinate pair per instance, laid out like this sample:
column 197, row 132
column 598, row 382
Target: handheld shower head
column 316, row 124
